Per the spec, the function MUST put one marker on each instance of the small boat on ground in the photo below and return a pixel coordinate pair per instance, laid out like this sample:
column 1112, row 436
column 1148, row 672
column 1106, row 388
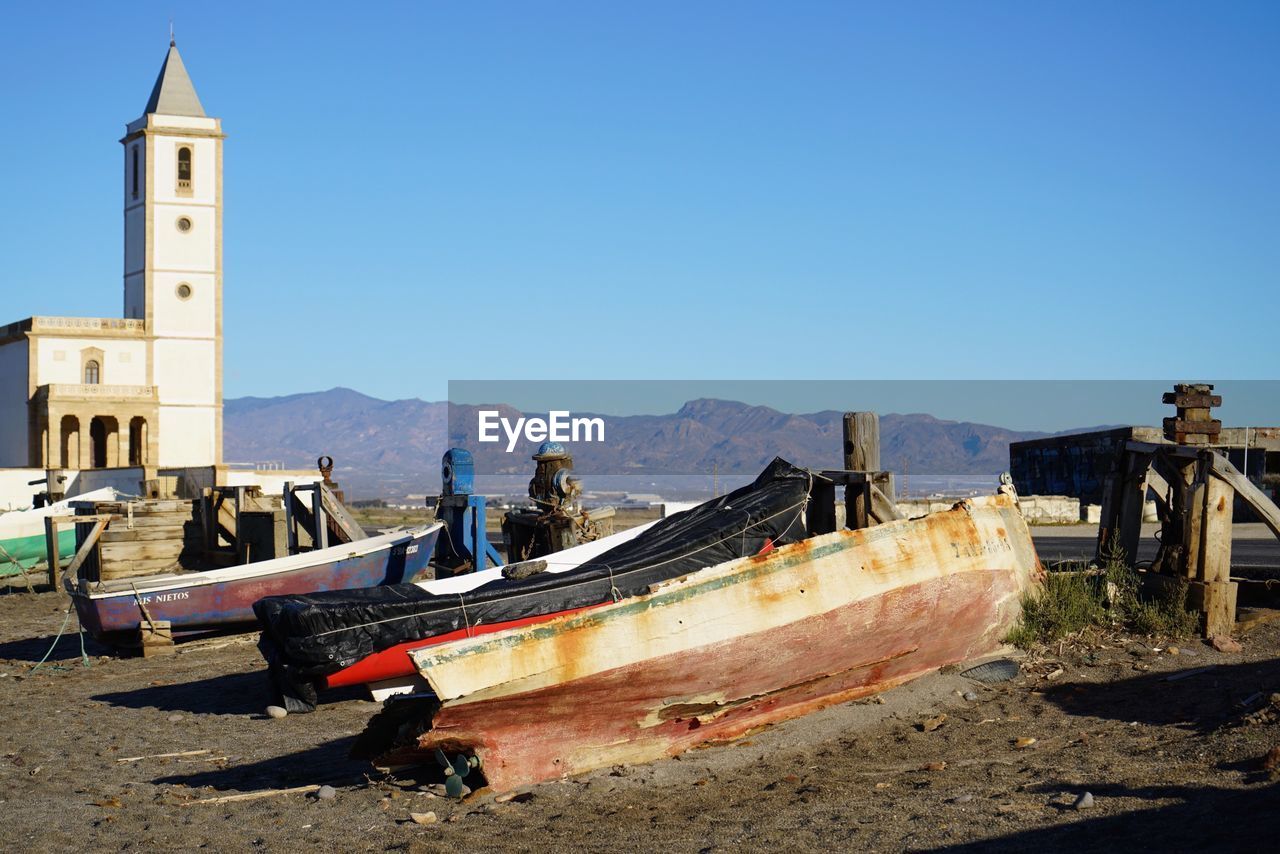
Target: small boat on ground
column 716, row 651
column 22, row 534
column 114, row 610
column 298, row 674
column 309, row 641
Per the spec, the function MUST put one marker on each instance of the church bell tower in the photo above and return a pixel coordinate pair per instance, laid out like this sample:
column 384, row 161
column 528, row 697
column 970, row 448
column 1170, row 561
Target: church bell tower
column 173, row 261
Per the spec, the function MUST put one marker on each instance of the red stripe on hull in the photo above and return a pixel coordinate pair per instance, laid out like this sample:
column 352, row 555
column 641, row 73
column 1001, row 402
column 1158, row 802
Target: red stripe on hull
column 394, row 662
column 666, row 705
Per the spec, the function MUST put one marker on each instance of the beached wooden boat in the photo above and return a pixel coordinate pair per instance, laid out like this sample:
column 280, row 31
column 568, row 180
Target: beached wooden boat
column 114, row 610
column 391, row 670
column 710, row 655
column 315, row 641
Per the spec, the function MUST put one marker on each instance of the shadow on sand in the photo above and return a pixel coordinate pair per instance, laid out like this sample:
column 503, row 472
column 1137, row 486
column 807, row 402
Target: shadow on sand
column 1201, row 701
column 67, row 648
column 325, row 763
column 232, row 694
column 1204, row 819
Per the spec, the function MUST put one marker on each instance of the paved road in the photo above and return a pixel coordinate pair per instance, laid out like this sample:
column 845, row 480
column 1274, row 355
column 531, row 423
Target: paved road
column 1248, row 550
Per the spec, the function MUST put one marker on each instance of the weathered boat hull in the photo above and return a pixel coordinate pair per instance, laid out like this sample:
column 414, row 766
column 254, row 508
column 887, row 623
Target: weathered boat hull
column 201, row 601
column 394, row 663
column 715, row 654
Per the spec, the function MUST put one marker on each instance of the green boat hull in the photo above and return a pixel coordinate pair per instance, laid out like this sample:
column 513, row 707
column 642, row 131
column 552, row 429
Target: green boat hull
column 22, row 553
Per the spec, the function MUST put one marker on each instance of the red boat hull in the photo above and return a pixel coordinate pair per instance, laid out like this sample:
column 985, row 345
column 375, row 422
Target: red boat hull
column 835, row 657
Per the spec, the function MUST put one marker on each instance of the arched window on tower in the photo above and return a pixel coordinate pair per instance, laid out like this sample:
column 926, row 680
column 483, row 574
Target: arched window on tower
column 92, row 372
column 135, row 171
column 184, row 170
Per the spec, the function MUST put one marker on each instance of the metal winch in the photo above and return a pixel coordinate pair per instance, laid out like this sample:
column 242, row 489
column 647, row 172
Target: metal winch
column 556, row 521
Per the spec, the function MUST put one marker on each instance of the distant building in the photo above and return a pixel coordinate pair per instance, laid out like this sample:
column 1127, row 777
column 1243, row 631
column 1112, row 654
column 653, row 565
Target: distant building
column 1077, row 464
column 144, row 389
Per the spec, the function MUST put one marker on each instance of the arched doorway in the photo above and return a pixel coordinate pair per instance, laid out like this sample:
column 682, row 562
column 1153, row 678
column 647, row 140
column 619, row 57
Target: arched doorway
column 97, row 444
column 137, row 441
column 69, row 442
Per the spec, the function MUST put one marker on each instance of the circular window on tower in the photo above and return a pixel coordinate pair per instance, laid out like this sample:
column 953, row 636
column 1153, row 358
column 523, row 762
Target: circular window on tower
column 184, row 224
column 184, row 291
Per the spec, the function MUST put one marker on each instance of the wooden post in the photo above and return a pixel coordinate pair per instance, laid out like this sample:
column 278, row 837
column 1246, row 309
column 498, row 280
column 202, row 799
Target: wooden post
column 861, row 453
column 1133, row 495
column 290, row 523
column 317, row 516
column 1193, row 520
column 51, row 550
column 1218, row 602
column 861, row 441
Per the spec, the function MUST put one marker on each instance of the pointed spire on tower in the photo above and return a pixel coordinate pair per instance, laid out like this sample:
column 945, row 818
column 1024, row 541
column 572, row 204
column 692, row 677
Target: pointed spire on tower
column 173, row 93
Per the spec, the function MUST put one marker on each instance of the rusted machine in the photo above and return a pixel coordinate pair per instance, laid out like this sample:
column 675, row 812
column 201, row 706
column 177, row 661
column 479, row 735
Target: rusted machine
column 556, row 521
column 1195, row 488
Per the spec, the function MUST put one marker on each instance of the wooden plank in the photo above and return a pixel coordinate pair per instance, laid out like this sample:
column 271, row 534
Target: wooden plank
column 1191, row 532
column 1216, row 602
column 148, row 506
column 51, row 549
column 80, row 518
column 121, row 552
column 843, row 477
column 857, row 503
column 156, row 637
column 320, row 532
column 252, row 796
column 342, row 519
column 882, row 507
column 887, row 486
column 140, row 535
column 138, row 568
column 86, row 548
column 1109, row 516
column 1215, row 532
column 158, row 521
column 1254, row 497
column 1192, row 400
column 1133, row 495
column 290, row 520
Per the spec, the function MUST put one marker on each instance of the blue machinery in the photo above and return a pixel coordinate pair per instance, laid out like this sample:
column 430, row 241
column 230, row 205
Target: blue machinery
column 463, row 513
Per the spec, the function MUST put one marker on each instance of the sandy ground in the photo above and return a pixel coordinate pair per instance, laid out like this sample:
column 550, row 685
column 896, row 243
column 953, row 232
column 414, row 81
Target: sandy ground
column 1170, row 763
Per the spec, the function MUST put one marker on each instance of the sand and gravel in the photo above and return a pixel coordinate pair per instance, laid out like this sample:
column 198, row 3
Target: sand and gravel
column 1167, row 763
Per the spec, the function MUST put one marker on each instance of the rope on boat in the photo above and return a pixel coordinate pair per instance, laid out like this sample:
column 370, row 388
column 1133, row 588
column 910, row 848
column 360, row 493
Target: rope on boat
column 462, row 603
column 84, row 656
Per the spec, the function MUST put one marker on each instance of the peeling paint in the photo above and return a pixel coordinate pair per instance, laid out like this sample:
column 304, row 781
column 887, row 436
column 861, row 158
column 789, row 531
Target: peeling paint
column 713, row 654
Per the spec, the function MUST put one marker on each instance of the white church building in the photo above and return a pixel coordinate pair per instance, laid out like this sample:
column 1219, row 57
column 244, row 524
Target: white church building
column 143, row 389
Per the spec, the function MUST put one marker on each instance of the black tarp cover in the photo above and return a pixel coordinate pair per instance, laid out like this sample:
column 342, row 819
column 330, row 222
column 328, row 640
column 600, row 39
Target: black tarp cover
column 308, row 636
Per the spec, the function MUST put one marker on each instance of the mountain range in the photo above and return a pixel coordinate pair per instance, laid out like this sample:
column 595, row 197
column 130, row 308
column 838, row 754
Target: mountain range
column 384, row 448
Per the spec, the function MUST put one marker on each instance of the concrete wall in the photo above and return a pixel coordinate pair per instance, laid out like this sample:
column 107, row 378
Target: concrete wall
column 126, row 480
column 197, row 478
column 58, row 360
column 186, row 436
column 13, row 410
column 272, row 482
column 1073, row 465
column 1036, row 509
column 15, row 494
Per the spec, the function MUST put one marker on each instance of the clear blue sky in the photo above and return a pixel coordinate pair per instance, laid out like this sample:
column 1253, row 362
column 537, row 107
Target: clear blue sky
column 424, row 191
